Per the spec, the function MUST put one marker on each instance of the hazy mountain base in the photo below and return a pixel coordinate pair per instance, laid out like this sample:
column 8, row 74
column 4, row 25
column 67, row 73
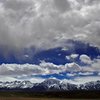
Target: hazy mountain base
column 61, row 94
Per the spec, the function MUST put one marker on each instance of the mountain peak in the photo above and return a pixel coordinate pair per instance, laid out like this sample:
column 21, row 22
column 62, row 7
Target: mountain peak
column 49, row 85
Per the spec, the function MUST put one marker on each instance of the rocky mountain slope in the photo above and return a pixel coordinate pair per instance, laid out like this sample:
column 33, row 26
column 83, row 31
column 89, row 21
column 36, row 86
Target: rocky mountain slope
column 49, row 85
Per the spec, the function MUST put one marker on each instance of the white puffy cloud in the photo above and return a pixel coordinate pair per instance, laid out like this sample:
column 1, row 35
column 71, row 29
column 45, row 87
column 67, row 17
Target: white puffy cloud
column 44, row 23
column 96, row 65
column 72, row 56
column 51, row 68
column 85, row 59
column 45, row 68
column 26, row 71
column 72, row 67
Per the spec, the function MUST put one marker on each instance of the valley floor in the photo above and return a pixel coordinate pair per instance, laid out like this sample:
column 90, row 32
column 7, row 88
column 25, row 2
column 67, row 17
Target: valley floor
column 64, row 95
column 22, row 98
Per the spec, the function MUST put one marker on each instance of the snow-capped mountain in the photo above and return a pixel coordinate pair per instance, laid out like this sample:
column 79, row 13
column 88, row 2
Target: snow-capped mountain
column 50, row 85
column 90, row 86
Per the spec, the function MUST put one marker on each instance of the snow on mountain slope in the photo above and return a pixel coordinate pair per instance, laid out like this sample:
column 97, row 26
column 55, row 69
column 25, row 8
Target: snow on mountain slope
column 50, row 85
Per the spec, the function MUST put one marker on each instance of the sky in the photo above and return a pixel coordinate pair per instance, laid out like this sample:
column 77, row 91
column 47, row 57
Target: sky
column 42, row 39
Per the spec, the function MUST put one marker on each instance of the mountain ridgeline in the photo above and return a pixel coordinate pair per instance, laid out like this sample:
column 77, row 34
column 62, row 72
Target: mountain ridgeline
column 49, row 85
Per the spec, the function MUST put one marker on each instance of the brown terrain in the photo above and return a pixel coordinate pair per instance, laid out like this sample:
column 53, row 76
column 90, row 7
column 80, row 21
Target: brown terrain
column 23, row 98
column 65, row 95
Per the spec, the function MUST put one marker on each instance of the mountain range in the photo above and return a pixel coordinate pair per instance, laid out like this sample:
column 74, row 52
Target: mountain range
column 49, row 85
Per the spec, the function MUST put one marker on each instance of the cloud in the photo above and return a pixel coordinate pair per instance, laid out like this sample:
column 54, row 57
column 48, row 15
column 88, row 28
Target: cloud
column 85, row 73
column 30, row 71
column 72, row 67
column 36, row 80
column 45, row 68
column 85, row 59
column 51, row 68
column 7, row 78
column 63, row 5
column 98, row 74
column 91, row 2
column 26, row 69
column 43, row 24
column 86, row 79
column 11, row 78
column 72, row 57
column 96, row 65
column 81, row 80
column 71, row 74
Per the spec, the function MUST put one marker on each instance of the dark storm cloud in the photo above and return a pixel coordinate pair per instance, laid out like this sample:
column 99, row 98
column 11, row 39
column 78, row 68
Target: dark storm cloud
column 62, row 5
column 47, row 23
